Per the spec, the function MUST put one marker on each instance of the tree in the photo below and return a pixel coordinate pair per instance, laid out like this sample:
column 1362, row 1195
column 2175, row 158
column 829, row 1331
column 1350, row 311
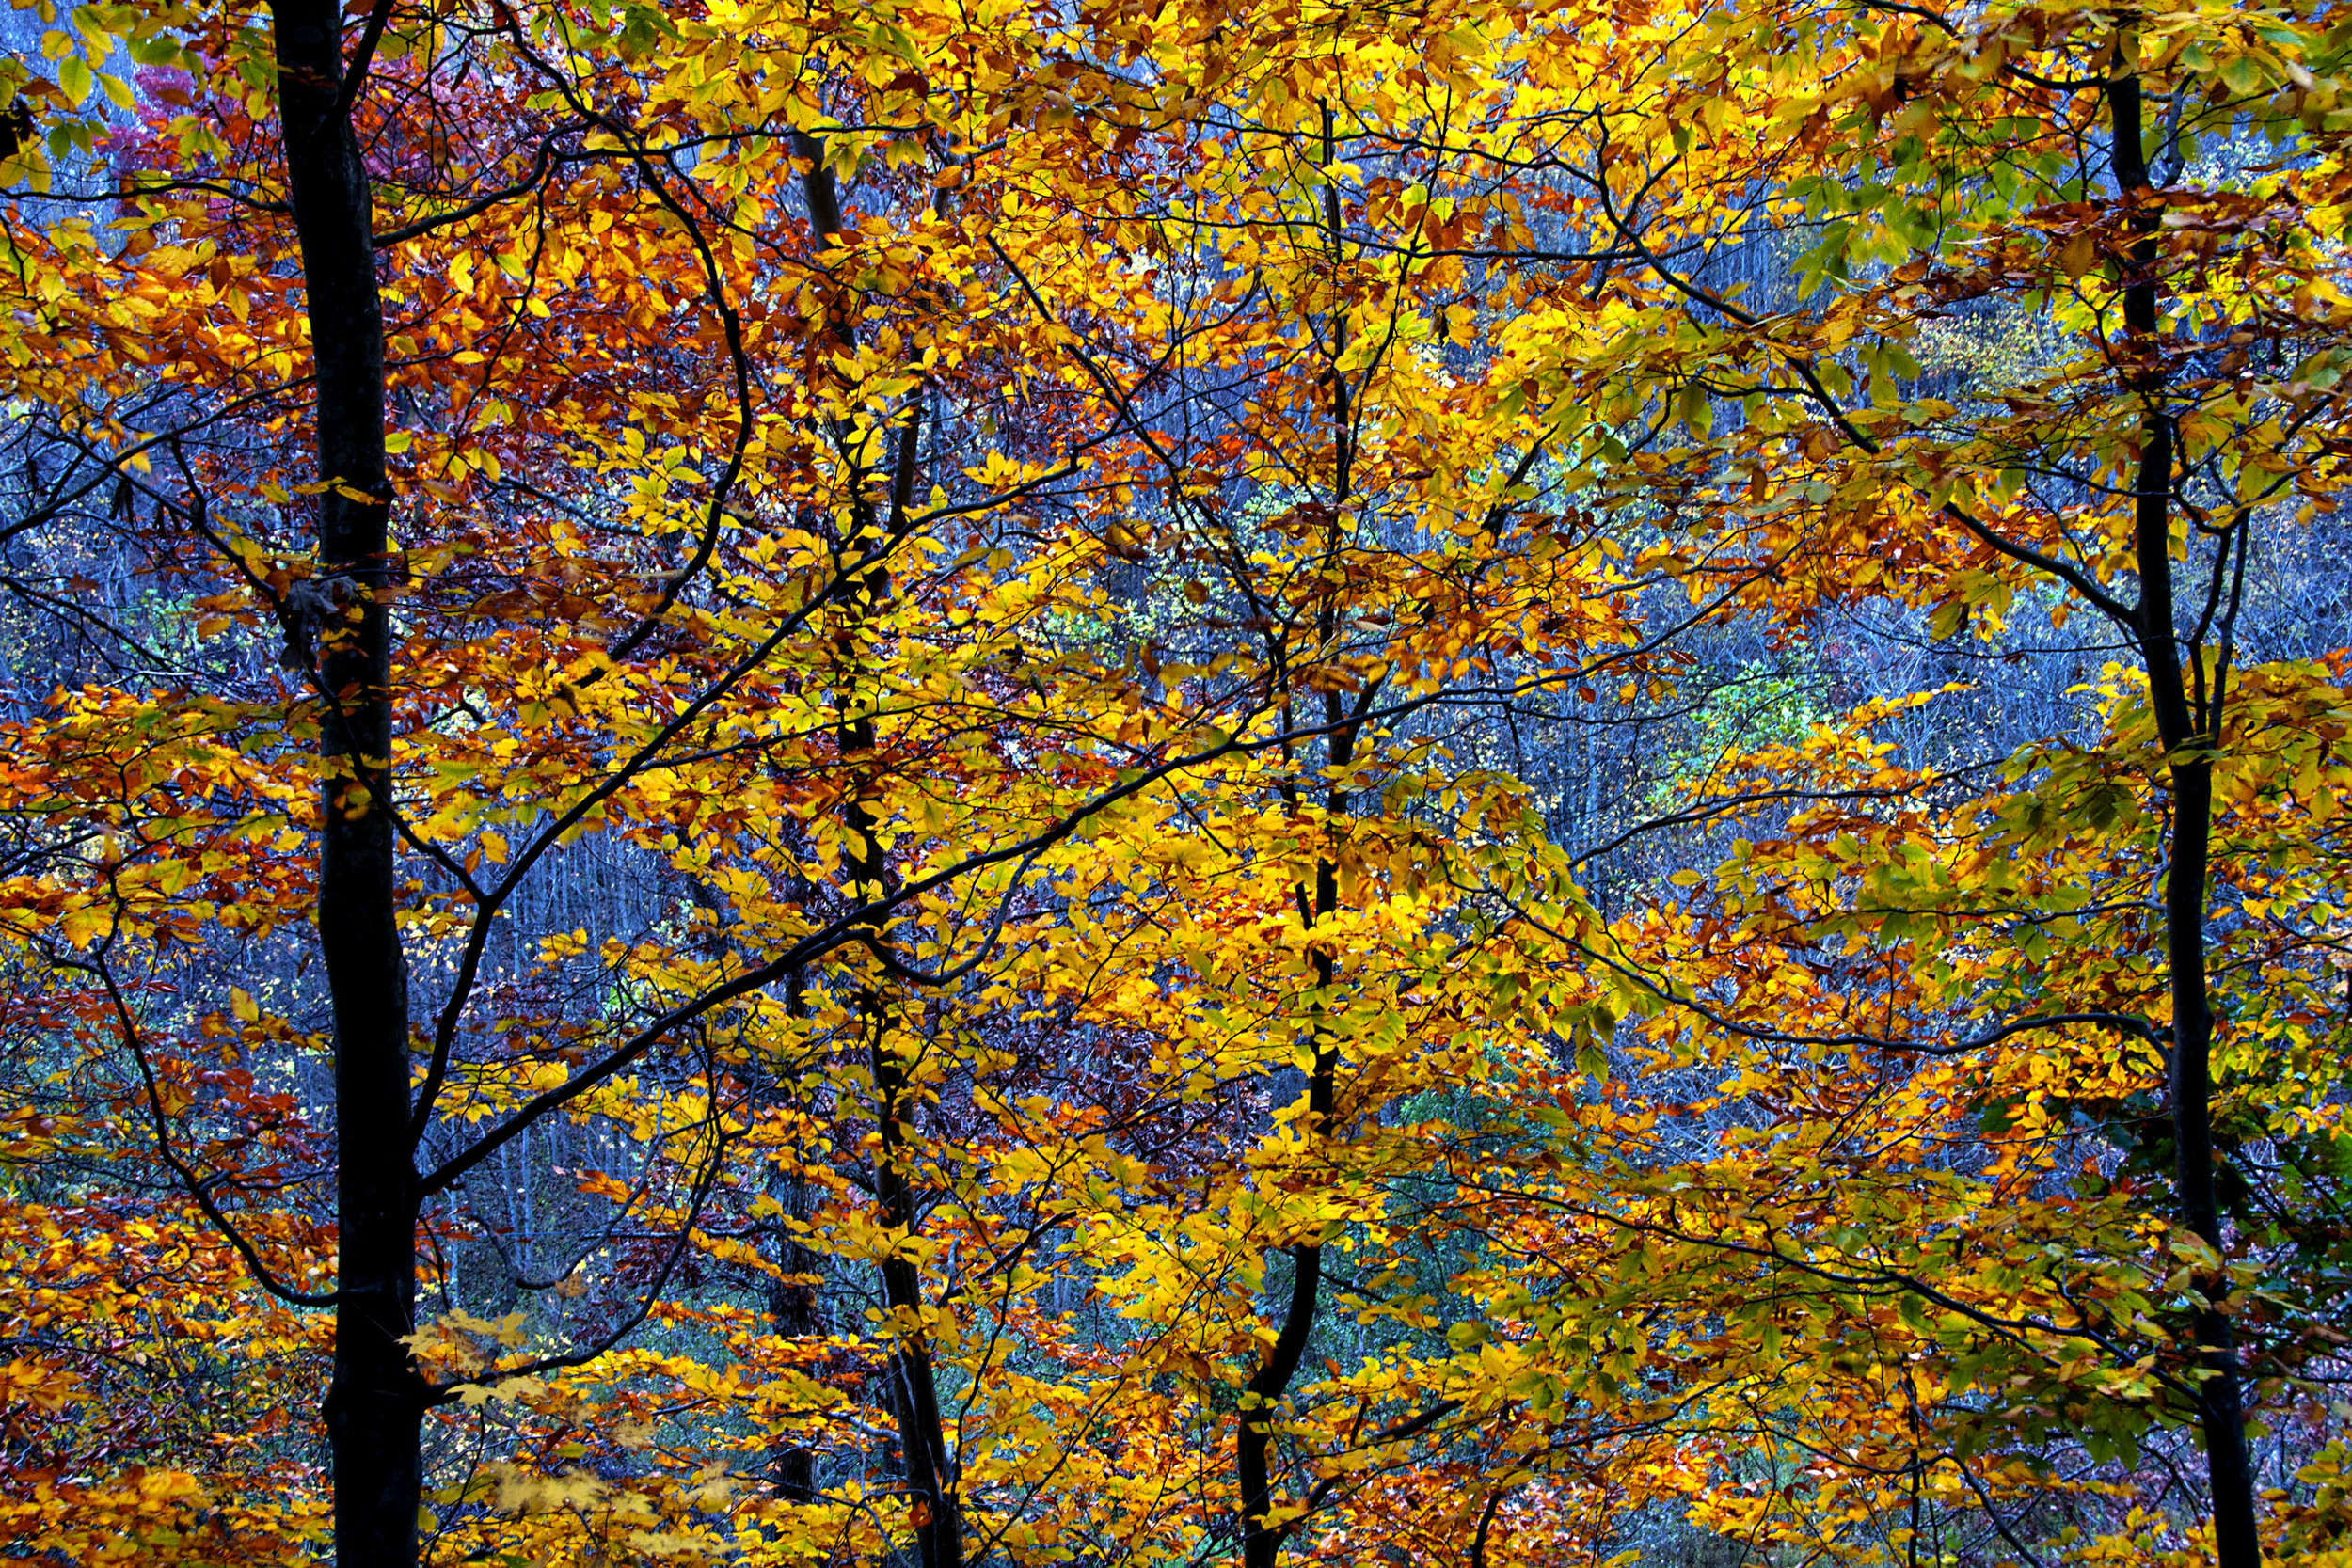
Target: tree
column 912, row 662
column 2008, row 162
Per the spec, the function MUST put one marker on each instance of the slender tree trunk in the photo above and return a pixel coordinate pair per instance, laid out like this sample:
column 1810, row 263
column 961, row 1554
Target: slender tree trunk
column 1261, row 1543
column 2221, row 1409
column 2184, row 733
column 374, row 1410
column 914, row 1398
column 792, row 1307
column 913, row 1390
column 930, row 1467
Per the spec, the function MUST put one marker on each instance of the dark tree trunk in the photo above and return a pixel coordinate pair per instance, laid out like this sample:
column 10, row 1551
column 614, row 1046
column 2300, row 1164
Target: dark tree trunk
column 931, row 1469
column 373, row 1407
column 1253, row 1457
column 1261, row 1543
column 2186, row 732
column 792, row 1307
column 792, row 1310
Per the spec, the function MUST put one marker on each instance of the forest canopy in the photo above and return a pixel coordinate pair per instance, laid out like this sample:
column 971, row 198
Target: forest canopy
column 1127, row 782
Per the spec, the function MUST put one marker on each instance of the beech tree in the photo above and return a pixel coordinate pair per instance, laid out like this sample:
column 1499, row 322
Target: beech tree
column 2137, row 466
column 791, row 784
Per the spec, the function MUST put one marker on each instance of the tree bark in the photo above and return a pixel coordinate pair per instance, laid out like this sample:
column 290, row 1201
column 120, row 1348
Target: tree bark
column 1261, row 1543
column 792, row 1307
column 1253, row 1457
column 2186, row 734
column 931, row 1469
column 374, row 1404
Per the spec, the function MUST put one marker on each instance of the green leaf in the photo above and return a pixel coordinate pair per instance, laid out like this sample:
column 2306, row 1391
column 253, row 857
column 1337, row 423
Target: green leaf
column 2244, row 77
column 1696, row 411
column 1592, row 1061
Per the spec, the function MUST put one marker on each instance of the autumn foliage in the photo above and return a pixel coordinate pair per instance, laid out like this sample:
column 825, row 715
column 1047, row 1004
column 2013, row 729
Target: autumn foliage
column 1498, row 783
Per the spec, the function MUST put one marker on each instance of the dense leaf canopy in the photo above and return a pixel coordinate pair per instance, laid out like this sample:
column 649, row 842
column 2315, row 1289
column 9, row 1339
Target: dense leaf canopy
column 1134, row 781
